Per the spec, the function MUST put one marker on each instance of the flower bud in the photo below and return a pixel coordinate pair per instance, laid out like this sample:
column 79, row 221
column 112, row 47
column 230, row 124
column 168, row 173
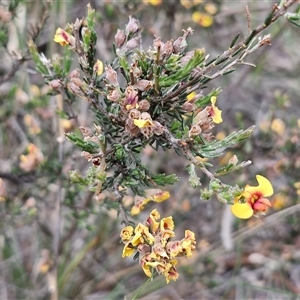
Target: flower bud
column 98, row 67
column 132, row 26
column 120, row 38
column 144, row 105
column 158, row 128
column 111, row 75
column 167, row 49
column 145, row 116
column 195, row 130
column 136, row 71
column 157, row 43
column 131, row 128
column 144, row 248
column 86, row 131
column 55, row 84
column 74, row 74
column 180, row 44
column 188, row 106
column 64, row 38
column 113, row 96
column 77, row 81
column 132, row 44
column 131, row 98
column 144, row 85
column 134, row 114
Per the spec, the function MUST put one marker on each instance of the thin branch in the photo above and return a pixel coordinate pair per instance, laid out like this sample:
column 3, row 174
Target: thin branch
column 276, row 12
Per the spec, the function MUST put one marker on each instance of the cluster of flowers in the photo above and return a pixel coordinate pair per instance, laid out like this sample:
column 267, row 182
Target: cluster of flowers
column 157, row 252
column 133, row 101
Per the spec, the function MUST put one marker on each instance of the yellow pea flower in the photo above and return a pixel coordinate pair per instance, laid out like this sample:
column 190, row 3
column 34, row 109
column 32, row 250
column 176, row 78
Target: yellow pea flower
column 255, row 201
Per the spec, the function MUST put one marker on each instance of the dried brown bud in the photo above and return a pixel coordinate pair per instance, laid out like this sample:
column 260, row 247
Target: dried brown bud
column 120, row 38
column 77, row 81
column 202, row 116
column 158, row 128
column 74, row 89
column 55, row 84
column 131, row 128
column 180, row 44
column 144, row 85
column 136, row 71
column 131, row 98
column 167, row 49
column 111, row 75
column 188, row 106
column 145, row 116
column 144, row 249
column 144, row 105
column 133, row 26
column 86, row 131
column 195, row 130
column 134, row 114
column 265, row 40
column 74, row 74
column 113, row 96
column 208, row 125
column 157, row 43
column 147, row 131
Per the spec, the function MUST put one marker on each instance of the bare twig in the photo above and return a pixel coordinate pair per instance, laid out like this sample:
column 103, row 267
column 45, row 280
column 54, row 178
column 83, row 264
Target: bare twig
column 277, row 12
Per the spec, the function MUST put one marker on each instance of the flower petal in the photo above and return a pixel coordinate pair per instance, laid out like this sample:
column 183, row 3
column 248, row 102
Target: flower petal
column 264, row 187
column 242, row 210
column 142, row 123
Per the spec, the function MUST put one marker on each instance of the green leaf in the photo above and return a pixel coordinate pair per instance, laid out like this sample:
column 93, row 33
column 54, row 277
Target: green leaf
column 216, row 148
column 183, row 73
column 87, row 146
column 162, row 179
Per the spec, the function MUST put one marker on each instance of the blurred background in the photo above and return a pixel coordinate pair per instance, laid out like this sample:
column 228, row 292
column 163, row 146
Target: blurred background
column 257, row 258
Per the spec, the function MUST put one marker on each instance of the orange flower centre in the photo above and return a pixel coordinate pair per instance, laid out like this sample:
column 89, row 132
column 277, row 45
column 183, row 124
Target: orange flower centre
column 258, row 203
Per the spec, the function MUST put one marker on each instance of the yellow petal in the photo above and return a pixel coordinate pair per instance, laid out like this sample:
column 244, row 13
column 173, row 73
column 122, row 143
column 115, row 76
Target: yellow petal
column 167, row 223
column 216, row 113
column 61, row 37
column 141, row 123
column 217, row 117
column 242, row 210
column 98, row 67
column 191, row 96
column 264, row 187
column 127, row 250
column 161, row 196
